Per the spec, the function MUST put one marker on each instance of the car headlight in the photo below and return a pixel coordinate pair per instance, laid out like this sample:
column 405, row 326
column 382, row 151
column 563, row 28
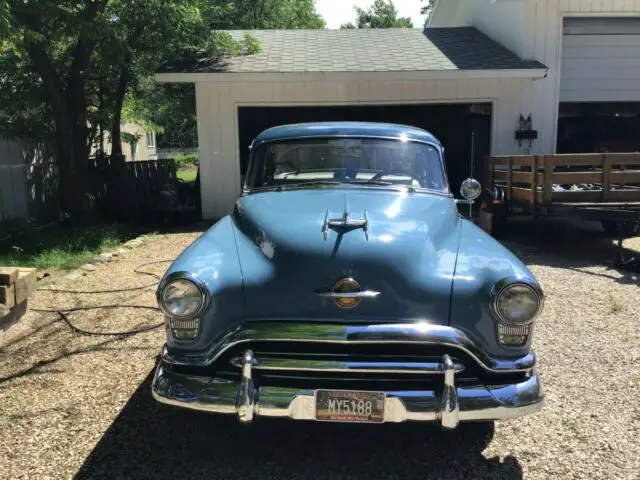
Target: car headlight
column 182, row 297
column 516, row 305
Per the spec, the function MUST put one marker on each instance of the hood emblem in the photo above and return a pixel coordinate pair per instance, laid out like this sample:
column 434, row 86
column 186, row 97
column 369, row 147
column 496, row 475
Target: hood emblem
column 346, row 293
column 345, row 224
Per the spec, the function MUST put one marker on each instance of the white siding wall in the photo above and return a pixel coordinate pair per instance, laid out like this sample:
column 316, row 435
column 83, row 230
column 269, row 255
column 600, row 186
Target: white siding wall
column 533, row 30
column 218, row 102
column 547, row 46
column 504, row 21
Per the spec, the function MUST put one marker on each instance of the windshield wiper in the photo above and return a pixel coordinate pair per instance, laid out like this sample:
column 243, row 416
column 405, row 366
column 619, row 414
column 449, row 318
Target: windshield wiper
column 317, row 183
column 370, row 182
column 382, row 184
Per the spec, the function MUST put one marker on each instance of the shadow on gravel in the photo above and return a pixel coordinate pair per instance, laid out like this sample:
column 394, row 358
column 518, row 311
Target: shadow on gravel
column 148, row 440
column 566, row 243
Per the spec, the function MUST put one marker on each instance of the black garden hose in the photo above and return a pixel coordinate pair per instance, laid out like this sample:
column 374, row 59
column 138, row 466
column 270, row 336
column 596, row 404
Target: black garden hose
column 64, row 313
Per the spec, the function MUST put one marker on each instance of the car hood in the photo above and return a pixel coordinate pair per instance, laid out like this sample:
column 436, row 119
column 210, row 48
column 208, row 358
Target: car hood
column 408, row 255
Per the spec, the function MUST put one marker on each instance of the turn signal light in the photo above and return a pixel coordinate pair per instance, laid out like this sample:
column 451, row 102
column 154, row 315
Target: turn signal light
column 513, row 336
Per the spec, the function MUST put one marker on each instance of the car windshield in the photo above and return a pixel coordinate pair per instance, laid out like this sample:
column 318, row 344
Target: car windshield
column 335, row 161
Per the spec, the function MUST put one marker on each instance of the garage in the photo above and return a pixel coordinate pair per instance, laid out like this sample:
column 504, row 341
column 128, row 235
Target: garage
column 465, row 129
column 599, row 107
column 458, row 83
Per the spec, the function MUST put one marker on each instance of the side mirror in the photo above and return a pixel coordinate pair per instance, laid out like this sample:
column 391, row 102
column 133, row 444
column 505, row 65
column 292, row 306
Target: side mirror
column 470, row 190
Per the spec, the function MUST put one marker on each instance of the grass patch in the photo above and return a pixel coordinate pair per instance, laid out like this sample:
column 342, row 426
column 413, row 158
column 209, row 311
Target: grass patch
column 65, row 247
column 187, row 175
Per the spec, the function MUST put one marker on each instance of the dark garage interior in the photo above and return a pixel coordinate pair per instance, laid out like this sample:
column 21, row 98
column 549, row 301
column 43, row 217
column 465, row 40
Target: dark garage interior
column 599, row 127
column 458, row 126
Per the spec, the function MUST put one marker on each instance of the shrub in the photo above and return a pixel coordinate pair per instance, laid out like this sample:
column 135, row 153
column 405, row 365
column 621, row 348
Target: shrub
column 186, row 160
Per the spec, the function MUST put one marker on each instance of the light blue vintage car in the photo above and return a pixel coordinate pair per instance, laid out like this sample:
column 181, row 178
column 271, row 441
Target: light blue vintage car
column 346, row 287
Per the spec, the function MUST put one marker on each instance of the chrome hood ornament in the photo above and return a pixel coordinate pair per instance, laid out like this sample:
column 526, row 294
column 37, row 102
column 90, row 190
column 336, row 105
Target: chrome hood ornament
column 345, row 224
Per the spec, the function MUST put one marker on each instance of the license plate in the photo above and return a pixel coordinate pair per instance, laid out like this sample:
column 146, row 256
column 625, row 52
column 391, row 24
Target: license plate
column 349, row 406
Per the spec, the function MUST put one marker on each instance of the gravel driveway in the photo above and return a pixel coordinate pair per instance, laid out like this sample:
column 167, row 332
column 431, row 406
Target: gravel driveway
column 80, row 405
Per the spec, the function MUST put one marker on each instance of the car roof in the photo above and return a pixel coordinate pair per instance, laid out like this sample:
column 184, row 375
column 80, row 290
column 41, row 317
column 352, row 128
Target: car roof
column 345, row 129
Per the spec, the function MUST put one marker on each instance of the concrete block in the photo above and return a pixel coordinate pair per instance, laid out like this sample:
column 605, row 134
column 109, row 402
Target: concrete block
column 8, row 295
column 26, row 284
column 8, row 275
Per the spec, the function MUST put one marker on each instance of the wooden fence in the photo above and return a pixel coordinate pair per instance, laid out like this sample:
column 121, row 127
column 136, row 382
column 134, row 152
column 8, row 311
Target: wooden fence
column 530, row 179
column 130, row 190
column 27, row 181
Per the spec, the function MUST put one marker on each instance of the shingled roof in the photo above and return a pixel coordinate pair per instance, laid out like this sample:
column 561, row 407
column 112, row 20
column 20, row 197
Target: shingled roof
column 362, row 50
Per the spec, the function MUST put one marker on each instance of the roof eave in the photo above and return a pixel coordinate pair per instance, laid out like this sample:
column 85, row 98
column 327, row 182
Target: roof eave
column 206, row 77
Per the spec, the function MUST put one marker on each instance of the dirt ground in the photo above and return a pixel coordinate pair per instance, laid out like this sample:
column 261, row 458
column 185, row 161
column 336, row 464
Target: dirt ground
column 78, row 405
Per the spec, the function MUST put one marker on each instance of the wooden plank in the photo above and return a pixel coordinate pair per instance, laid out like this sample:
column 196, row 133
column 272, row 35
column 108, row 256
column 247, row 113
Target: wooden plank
column 626, row 176
column 534, row 180
column 7, row 295
column 582, row 159
column 624, row 195
column 488, row 172
column 548, row 179
column 625, row 158
column 577, row 196
column 522, row 195
column 577, row 177
column 515, row 159
column 8, row 275
column 516, row 176
column 606, row 177
column 26, row 284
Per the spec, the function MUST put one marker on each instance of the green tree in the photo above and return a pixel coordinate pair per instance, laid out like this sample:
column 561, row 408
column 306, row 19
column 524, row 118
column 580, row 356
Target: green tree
column 266, row 14
column 68, row 66
column 173, row 106
column 426, row 9
column 382, row 14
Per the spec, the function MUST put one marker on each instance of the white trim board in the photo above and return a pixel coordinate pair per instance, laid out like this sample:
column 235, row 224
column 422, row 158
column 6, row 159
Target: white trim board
column 534, row 73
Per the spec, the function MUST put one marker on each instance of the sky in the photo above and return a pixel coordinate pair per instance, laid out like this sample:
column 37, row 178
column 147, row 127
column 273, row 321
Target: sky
column 337, row 12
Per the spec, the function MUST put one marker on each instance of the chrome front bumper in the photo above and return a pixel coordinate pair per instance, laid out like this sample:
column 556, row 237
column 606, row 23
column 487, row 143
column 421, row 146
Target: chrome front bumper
column 448, row 404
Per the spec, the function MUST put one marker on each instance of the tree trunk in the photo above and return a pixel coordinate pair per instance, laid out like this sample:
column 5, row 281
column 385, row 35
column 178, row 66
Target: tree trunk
column 116, row 133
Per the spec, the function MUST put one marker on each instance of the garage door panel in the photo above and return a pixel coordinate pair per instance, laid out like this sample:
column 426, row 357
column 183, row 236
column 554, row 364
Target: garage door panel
column 578, row 75
column 600, row 84
column 579, row 41
column 606, row 64
column 600, row 60
column 613, row 95
column 620, row 52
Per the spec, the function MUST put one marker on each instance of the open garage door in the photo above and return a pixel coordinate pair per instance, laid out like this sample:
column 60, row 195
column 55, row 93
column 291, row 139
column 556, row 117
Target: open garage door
column 460, row 128
column 600, row 85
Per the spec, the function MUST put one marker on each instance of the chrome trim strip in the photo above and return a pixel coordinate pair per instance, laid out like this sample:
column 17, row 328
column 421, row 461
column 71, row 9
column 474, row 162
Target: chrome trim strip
column 475, row 402
column 285, row 364
column 331, row 333
column 363, row 294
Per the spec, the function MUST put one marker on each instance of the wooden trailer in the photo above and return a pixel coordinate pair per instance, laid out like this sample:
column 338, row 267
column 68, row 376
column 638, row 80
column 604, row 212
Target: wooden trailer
column 602, row 187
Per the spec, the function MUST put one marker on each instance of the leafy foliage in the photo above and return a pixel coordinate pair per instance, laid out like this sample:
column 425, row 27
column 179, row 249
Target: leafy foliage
column 426, row 9
column 382, row 14
column 74, row 70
